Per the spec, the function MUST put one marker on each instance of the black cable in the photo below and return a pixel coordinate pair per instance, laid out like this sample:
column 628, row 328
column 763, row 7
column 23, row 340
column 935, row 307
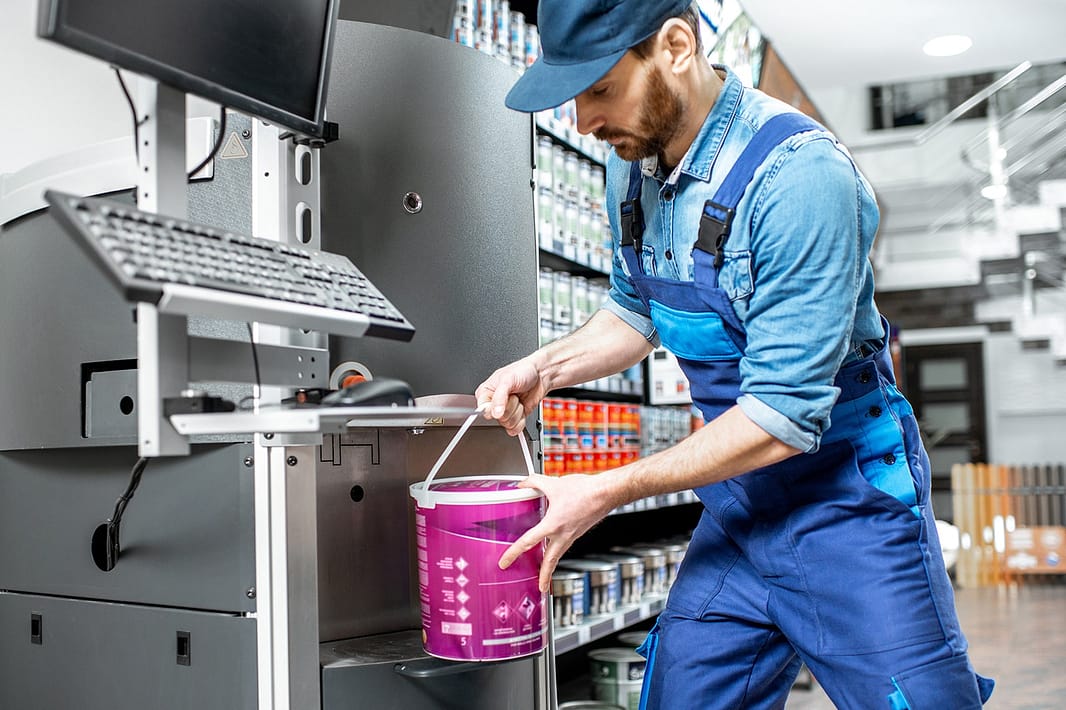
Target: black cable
column 105, row 540
column 218, row 142
column 124, row 499
column 133, row 112
column 137, row 123
column 255, row 358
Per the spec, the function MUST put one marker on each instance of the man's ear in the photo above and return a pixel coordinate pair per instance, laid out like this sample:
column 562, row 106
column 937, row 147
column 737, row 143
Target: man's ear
column 678, row 44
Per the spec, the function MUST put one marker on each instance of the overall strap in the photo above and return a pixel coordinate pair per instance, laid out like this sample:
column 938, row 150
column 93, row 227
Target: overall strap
column 632, row 220
column 632, row 215
column 718, row 212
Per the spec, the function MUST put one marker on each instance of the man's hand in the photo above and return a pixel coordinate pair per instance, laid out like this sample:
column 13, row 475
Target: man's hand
column 576, row 502
column 514, row 391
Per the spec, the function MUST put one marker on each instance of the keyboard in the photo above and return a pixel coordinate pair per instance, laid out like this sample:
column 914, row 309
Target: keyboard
column 193, row 269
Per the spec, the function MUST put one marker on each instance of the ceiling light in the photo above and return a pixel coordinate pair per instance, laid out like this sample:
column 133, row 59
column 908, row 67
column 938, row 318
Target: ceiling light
column 994, row 192
column 947, row 45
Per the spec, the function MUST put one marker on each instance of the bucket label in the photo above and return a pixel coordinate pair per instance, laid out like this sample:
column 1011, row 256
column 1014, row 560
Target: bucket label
column 471, row 609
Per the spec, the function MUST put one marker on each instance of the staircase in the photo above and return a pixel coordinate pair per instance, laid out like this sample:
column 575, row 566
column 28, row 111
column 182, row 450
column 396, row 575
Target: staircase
column 981, row 240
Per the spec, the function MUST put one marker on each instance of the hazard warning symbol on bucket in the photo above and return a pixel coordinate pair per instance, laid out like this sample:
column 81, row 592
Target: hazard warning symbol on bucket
column 502, row 612
column 527, row 607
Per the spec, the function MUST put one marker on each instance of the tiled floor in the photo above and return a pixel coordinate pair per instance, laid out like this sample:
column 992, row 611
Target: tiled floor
column 1017, row 635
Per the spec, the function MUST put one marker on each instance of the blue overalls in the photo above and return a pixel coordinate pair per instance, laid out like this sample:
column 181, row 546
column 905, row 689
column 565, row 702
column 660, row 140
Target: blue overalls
column 830, row 557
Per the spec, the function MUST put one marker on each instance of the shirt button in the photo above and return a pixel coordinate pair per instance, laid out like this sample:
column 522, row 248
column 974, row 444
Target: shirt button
column 669, row 255
column 864, row 376
column 889, row 459
column 668, row 195
column 875, row 411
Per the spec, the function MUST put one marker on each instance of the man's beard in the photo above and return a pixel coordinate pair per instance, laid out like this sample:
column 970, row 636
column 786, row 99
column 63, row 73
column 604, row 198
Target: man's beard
column 660, row 121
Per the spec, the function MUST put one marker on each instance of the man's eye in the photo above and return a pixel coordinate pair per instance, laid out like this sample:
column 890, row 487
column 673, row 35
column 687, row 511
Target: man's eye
column 599, row 90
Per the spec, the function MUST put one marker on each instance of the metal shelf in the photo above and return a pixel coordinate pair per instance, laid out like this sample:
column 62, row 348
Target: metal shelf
column 324, row 420
column 597, row 627
column 669, row 500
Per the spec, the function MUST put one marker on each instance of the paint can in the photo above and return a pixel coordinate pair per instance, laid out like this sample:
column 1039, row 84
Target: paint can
column 602, row 585
column 568, row 598
column 471, row 609
column 617, row 676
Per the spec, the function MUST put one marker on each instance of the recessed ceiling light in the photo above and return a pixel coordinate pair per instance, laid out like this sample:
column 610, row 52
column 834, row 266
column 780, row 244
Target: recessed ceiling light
column 947, row 45
column 994, row 192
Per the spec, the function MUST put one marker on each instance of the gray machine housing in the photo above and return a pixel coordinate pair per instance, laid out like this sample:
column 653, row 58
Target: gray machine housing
column 173, row 626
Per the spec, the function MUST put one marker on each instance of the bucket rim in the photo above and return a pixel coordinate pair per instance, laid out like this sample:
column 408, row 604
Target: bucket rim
column 430, row 498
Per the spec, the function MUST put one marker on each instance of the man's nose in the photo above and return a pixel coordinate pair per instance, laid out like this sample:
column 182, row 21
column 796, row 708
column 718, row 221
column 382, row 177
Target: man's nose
column 588, row 118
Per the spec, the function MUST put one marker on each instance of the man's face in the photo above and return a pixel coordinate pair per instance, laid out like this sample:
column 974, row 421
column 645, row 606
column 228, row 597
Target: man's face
column 632, row 108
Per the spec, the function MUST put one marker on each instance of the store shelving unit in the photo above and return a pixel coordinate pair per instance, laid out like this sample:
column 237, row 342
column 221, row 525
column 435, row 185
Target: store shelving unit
column 603, row 625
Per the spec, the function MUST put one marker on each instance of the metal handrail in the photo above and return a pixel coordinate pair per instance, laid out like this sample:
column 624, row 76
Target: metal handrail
column 1040, row 97
column 971, row 102
column 943, row 122
column 1051, row 148
column 1050, row 126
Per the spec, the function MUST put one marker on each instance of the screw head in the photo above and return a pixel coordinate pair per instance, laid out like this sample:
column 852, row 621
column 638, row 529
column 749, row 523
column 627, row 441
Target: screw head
column 248, row 461
column 250, row 593
column 291, row 460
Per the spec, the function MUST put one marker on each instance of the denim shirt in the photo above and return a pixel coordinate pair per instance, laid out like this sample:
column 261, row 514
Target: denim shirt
column 796, row 267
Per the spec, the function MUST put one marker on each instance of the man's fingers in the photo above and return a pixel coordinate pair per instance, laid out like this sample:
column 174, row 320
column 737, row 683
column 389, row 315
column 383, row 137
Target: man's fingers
column 522, row 545
column 551, row 559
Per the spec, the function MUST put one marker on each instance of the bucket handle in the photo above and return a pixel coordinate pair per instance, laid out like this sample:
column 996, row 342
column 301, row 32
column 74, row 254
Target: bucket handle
column 459, row 435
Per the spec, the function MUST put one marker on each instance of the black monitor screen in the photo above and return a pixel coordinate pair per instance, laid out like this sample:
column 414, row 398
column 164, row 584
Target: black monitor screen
column 269, row 58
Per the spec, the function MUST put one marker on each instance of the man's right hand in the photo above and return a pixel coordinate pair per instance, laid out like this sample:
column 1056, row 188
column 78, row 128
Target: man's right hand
column 513, row 392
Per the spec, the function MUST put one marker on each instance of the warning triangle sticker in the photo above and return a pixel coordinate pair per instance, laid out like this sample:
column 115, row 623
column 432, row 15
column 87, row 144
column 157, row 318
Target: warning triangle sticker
column 234, row 148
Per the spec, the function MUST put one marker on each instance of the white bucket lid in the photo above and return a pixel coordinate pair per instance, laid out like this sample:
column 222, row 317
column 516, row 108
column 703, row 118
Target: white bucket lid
column 466, row 491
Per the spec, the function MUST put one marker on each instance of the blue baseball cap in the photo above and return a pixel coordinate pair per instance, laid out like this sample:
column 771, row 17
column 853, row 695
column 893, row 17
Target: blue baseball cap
column 582, row 40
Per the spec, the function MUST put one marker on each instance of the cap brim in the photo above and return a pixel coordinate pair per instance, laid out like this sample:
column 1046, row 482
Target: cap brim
column 545, row 86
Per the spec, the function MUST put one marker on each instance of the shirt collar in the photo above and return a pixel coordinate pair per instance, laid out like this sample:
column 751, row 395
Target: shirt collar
column 701, row 154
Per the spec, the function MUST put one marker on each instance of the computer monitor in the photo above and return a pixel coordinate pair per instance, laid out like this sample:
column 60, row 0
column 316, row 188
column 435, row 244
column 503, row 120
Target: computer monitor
column 267, row 58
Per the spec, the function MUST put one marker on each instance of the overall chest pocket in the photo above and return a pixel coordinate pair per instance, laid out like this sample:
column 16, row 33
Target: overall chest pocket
column 735, row 275
column 648, row 261
column 701, row 336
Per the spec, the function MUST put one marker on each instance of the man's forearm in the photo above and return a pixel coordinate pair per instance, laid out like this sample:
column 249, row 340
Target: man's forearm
column 728, row 446
column 602, row 346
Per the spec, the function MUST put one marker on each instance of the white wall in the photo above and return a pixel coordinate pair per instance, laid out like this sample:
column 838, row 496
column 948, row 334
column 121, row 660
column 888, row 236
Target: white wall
column 54, row 99
column 1025, row 403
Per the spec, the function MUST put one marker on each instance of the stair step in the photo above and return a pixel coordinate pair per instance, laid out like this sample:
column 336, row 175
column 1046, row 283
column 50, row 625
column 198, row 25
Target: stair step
column 1035, row 343
column 1040, row 241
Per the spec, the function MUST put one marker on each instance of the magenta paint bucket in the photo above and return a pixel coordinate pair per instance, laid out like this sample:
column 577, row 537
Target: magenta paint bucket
column 471, row 609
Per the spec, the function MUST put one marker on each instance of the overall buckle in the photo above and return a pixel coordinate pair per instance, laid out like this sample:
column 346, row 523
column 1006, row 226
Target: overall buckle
column 632, row 223
column 714, row 232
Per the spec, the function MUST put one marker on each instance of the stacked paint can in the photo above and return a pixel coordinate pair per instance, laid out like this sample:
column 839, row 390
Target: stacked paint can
column 579, row 438
column 600, row 584
column 568, row 598
column 654, row 559
column 617, row 676
column 570, row 205
column 490, row 26
column 630, row 575
column 566, row 301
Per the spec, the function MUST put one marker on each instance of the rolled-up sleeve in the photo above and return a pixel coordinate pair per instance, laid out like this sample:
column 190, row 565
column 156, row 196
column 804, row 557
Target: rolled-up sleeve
column 808, row 266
